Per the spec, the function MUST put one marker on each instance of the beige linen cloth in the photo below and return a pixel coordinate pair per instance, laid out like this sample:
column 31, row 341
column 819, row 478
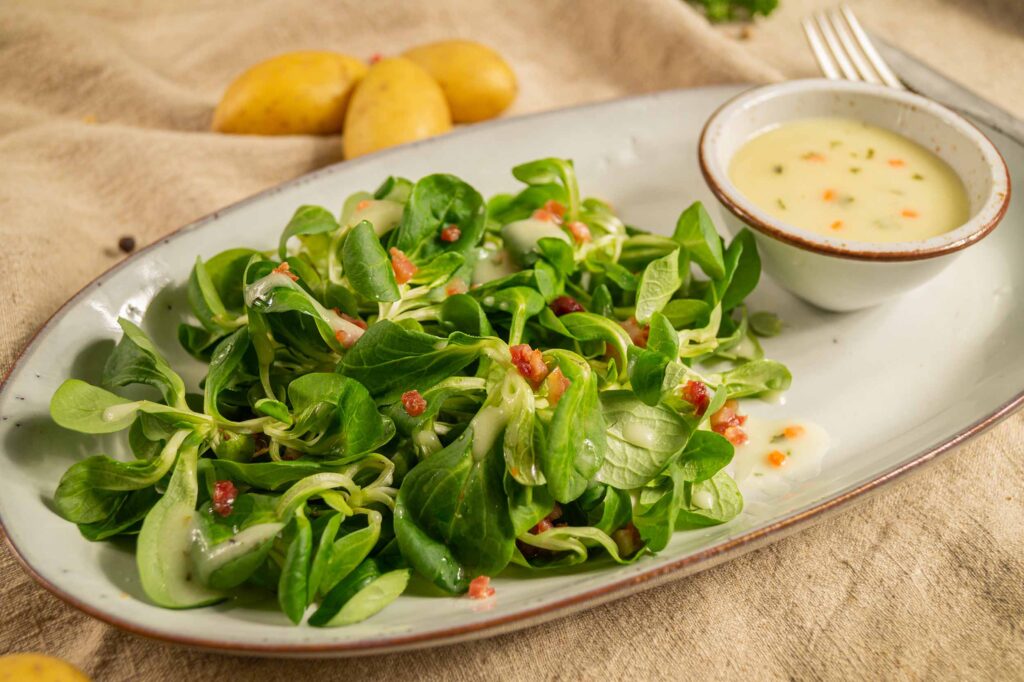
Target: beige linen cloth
column 104, row 108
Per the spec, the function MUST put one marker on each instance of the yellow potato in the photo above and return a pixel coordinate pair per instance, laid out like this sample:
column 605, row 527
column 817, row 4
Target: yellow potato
column 396, row 102
column 299, row 93
column 38, row 668
column 478, row 83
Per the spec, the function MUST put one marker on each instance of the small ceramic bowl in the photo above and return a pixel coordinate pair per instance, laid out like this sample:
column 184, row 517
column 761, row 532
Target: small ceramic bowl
column 828, row 271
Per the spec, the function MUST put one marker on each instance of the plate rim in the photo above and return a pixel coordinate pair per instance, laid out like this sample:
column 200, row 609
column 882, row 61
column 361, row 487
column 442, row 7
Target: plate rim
column 487, row 627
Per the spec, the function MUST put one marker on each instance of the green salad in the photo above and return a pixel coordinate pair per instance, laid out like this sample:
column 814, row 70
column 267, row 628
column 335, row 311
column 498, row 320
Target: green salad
column 430, row 384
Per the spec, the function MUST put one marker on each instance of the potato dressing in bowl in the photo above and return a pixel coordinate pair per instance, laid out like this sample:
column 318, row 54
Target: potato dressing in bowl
column 845, row 178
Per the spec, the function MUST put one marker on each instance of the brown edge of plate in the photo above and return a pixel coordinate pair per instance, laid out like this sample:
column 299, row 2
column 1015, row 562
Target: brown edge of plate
column 769, row 230
column 529, row 617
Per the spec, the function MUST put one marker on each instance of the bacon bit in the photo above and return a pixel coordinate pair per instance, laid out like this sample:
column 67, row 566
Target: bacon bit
column 727, row 422
column 563, row 305
column 451, row 234
column 546, row 216
column 456, row 286
column 580, row 232
column 348, row 318
column 224, row 495
column 354, row 320
column 480, row 587
column 363, row 205
column 345, row 339
column 530, row 363
column 814, row 157
column 897, row 163
column 290, row 454
column 403, row 267
column 837, row 225
column 697, row 394
column 628, row 539
column 548, row 522
column 776, row 458
column 376, row 57
column 555, row 207
column 286, row 270
column 793, row 431
column 828, row 195
column 735, row 435
column 558, row 383
column 414, row 403
column 909, row 213
column 637, row 334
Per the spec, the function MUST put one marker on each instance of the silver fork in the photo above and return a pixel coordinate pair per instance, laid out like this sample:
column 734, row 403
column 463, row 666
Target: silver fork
column 843, row 50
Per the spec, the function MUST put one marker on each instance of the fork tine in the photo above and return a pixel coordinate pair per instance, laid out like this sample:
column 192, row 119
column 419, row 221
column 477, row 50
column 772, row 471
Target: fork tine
column 852, row 50
column 836, row 48
column 825, row 62
column 884, row 72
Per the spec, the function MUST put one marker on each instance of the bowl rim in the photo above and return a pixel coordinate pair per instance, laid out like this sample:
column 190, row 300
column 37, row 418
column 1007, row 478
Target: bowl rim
column 980, row 224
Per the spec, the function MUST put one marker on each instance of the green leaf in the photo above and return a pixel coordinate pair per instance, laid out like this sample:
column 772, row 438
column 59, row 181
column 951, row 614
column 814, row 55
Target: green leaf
column 267, row 475
column 575, row 443
column 743, row 270
column 293, row 589
column 696, row 235
column 437, row 201
column 367, row 265
column 705, row 455
column 371, row 599
column 347, row 553
column 659, row 282
column 766, row 324
column 642, row 439
column 307, row 220
column 390, row 359
column 463, row 313
column 136, row 360
column 595, row 327
column 549, row 171
column 723, row 503
column 451, row 516
column 754, row 378
column 83, row 407
column 224, row 367
column 162, row 550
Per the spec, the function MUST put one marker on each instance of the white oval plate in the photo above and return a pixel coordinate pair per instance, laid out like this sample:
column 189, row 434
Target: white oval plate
column 895, row 386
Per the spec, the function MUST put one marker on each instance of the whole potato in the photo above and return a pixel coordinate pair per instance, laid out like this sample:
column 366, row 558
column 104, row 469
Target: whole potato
column 38, row 668
column 478, row 83
column 396, row 102
column 298, row 93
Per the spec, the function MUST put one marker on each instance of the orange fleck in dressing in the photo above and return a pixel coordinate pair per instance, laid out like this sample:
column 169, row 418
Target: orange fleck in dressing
column 794, row 431
column 776, row 458
column 909, row 213
column 837, row 225
column 897, row 163
column 828, row 195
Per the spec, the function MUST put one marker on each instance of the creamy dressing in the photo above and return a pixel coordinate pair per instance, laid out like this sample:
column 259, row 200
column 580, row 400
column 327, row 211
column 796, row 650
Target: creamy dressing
column 207, row 559
column 118, row 412
column 262, row 290
column 383, row 214
column 640, row 435
column 488, row 424
column 779, row 452
column 847, row 179
column 492, row 265
column 521, row 238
